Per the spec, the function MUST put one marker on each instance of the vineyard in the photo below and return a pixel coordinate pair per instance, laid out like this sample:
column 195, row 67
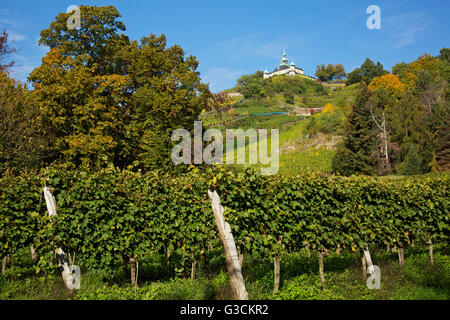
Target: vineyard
column 112, row 218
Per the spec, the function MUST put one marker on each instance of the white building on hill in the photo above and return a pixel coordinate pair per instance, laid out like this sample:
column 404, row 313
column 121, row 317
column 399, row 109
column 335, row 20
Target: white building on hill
column 287, row 70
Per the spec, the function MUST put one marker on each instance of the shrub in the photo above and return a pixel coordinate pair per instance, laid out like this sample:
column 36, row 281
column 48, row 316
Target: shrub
column 412, row 162
column 306, row 287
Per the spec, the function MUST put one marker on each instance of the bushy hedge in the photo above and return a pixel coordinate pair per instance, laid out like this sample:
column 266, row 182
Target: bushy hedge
column 108, row 216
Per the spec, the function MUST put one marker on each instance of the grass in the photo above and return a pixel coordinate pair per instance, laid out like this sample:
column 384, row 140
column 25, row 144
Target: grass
column 416, row 280
column 294, row 163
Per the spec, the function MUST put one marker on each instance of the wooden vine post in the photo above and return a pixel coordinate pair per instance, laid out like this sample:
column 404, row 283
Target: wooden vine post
column 133, row 271
column 63, row 265
column 231, row 254
column 276, row 272
column 277, row 268
column 401, row 255
column 430, row 251
column 321, row 273
column 4, row 262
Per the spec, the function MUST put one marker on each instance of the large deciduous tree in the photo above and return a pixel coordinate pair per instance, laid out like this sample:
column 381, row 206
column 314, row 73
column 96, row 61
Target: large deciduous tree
column 330, row 72
column 97, row 42
column 366, row 72
column 21, row 137
column 84, row 111
column 167, row 95
column 109, row 100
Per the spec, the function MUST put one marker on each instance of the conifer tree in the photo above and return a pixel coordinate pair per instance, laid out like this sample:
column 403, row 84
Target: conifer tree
column 412, row 162
column 353, row 155
column 443, row 140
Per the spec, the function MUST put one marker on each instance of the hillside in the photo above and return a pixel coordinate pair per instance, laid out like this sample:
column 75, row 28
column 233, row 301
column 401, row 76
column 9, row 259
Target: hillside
column 310, row 118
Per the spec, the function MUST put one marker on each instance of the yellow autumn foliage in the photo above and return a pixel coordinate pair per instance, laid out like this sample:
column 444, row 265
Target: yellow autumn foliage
column 328, row 108
column 424, row 62
column 390, row 82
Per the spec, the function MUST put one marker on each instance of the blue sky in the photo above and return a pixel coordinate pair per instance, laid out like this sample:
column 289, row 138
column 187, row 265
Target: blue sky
column 231, row 38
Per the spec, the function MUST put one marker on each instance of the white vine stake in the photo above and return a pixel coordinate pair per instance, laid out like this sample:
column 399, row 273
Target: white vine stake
column 370, row 268
column 71, row 281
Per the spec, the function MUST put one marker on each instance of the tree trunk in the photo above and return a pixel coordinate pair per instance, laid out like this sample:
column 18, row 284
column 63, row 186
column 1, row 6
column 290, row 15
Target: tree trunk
column 322, row 276
column 386, row 153
column 276, row 272
column 430, row 250
column 133, row 271
column 401, row 256
column 4, row 262
column 231, row 256
column 194, row 264
column 384, row 137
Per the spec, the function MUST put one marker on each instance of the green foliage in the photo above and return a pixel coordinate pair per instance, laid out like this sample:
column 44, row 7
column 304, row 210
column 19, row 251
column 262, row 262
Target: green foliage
column 295, row 163
column 330, row 72
column 264, row 122
column 326, row 122
column 417, row 279
column 306, row 287
column 21, row 136
column 444, row 54
column 288, row 97
column 412, row 162
column 20, row 221
column 254, row 86
column 250, row 85
column 175, row 289
column 353, row 154
column 106, row 217
column 419, row 270
column 97, row 41
column 440, row 126
column 400, row 69
column 108, row 100
column 366, row 72
column 167, row 95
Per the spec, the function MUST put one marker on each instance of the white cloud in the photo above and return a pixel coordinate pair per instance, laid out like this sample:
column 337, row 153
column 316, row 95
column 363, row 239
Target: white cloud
column 22, row 71
column 15, row 37
column 12, row 20
column 406, row 28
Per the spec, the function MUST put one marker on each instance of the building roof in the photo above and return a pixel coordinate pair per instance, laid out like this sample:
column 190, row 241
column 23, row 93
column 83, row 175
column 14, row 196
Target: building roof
column 284, row 60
